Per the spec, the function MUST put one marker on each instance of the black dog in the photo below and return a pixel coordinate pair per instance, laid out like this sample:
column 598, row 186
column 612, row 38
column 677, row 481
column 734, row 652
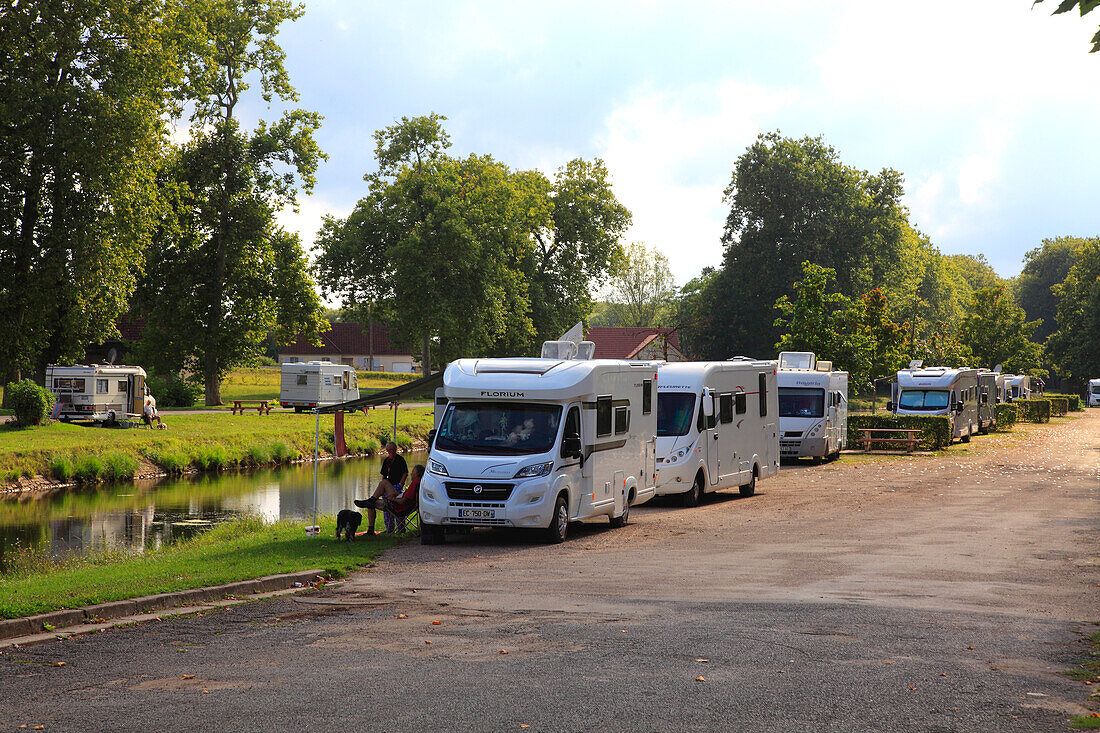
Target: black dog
column 348, row 521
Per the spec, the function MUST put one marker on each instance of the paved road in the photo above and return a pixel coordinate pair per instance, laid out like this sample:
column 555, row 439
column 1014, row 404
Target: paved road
column 889, row 593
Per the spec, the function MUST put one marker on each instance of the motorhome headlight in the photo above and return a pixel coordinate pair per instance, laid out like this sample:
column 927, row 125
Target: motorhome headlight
column 677, row 456
column 538, row 469
column 437, row 468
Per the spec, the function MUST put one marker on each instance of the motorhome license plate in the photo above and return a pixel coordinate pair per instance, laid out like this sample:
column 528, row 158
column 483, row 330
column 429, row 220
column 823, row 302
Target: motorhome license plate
column 476, row 513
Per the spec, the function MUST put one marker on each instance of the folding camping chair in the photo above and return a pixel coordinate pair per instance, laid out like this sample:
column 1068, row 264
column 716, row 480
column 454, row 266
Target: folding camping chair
column 405, row 520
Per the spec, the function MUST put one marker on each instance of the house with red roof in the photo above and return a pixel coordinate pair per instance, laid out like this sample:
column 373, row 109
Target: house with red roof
column 616, row 342
column 351, row 344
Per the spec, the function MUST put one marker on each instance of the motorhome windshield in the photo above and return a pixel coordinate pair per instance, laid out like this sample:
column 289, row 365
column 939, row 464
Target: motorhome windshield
column 506, row 428
column 801, row 402
column 674, row 411
column 923, row 399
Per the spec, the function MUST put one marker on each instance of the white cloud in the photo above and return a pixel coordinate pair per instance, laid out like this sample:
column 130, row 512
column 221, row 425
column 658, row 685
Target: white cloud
column 671, row 153
column 307, row 220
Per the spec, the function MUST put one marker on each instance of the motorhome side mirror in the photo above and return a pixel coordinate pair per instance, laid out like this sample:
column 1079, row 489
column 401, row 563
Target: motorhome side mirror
column 889, row 406
column 708, row 403
column 985, row 398
column 959, row 407
column 431, row 437
column 571, row 446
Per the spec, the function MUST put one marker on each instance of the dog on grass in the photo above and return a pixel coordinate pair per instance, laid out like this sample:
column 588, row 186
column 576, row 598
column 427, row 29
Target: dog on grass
column 347, row 521
column 162, row 426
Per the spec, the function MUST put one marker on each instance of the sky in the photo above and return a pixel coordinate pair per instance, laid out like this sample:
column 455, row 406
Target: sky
column 989, row 108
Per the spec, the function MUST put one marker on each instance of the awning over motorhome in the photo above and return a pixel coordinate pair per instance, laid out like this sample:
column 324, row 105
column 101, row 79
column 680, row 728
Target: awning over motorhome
column 389, row 395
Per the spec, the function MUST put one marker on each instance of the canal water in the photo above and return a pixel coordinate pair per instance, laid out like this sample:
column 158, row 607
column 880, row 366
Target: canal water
column 147, row 514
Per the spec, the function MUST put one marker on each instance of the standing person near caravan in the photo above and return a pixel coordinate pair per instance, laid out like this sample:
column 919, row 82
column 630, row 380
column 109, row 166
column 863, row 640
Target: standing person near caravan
column 394, row 474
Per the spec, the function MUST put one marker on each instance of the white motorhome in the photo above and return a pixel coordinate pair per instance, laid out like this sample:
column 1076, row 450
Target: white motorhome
column 990, row 390
column 1018, row 386
column 540, row 443
column 717, row 427
column 1094, row 393
column 99, row 392
column 921, row 390
column 813, row 407
column 308, row 384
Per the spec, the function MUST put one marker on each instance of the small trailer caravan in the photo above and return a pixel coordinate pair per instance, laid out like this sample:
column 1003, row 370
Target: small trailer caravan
column 1094, row 393
column 813, row 407
column 1018, row 386
column 308, row 384
column 923, row 390
column 540, row 443
column 717, row 426
column 99, row 392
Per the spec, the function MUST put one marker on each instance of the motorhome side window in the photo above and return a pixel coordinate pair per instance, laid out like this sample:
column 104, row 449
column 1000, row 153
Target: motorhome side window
column 603, row 416
column 301, row 379
column 763, row 394
column 122, row 385
column 572, row 427
column 647, row 396
column 740, row 403
column 101, row 386
column 622, row 420
column 725, row 408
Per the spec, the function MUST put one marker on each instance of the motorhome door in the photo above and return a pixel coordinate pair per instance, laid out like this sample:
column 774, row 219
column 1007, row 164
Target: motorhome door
column 710, row 435
column 137, row 394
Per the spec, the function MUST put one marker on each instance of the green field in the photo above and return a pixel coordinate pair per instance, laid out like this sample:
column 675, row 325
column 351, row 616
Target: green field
column 262, row 383
column 210, row 441
column 240, row 550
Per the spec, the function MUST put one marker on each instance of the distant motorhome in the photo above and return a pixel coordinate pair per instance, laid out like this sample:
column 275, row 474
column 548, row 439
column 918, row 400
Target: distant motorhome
column 717, row 427
column 540, row 443
column 1018, row 386
column 990, row 391
column 1094, row 393
column 921, row 390
column 813, row 407
column 98, row 392
column 305, row 385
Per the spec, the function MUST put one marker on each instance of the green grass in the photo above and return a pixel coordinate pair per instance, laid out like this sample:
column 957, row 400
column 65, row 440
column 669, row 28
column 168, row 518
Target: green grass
column 208, row 441
column 1085, row 722
column 239, row 550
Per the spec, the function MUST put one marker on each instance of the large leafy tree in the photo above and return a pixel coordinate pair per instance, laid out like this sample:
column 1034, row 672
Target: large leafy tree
column 1044, row 268
column 642, row 290
column 1075, row 346
column 1084, row 7
column 886, row 339
column 793, row 201
column 996, row 331
column 83, row 88
column 246, row 279
column 975, row 270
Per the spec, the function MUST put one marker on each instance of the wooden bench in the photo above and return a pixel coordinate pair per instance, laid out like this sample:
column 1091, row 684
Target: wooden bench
column 882, row 437
column 262, row 406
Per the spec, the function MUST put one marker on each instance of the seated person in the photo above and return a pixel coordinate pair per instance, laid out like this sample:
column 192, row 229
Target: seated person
column 149, row 413
column 394, row 474
column 403, row 502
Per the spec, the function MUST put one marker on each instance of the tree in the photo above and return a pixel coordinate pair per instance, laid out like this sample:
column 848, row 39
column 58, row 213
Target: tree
column 245, row 279
column 83, row 87
column 793, row 201
column 830, row 324
column 691, row 313
column 1045, row 267
column 886, row 339
column 976, row 270
column 1075, row 346
column 996, row 331
column 1084, row 7
column 642, row 291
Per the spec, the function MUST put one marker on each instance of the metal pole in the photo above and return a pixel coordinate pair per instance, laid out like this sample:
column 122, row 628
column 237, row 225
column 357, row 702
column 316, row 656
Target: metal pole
column 316, row 443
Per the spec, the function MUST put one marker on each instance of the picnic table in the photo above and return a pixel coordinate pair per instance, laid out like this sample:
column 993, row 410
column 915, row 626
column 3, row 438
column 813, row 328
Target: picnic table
column 882, row 436
column 262, row 406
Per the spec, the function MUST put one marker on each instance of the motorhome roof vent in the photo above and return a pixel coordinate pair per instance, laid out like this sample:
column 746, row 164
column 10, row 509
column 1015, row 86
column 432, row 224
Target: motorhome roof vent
column 916, row 363
column 997, row 369
column 559, row 350
column 797, row 360
column 586, row 350
column 740, row 358
column 824, row 366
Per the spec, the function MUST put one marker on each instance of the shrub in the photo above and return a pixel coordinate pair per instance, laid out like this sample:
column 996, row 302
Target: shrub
column 257, row 455
column 171, row 391
column 30, row 403
column 281, row 453
column 1059, row 406
column 87, row 469
column 61, row 468
column 266, row 361
column 210, row 458
column 935, row 429
column 1033, row 410
column 1006, row 416
column 172, row 461
column 404, row 442
column 119, row 467
column 1073, row 401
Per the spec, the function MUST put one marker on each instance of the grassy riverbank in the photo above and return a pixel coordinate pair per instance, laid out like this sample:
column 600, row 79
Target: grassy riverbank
column 209, row 441
column 239, row 550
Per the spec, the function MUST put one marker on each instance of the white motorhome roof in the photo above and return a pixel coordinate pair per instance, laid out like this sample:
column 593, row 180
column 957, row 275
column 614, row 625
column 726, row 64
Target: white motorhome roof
column 533, row 379
column 1094, row 381
column 691, row 376
column 806, row 378
column 932, row 376
column 110, row 369
column 1016, row 379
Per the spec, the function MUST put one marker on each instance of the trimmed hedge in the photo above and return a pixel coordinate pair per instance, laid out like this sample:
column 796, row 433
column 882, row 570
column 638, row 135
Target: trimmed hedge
column 1033, row 410
column 1074, row 401
column 30, row 403
column 1059, row 405
column 935, row 429
column 1007, row 415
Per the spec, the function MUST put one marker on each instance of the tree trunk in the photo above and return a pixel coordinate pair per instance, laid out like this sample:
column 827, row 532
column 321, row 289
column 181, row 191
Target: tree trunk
column 426, row 355
column 211, row 382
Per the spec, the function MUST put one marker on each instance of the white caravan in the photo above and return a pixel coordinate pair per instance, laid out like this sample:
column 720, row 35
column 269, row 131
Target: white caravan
column 1094, row 393
column 813, row 407
column 717, row 426
column 308, row 384
column 990, row 389
column 1017, row 386
column 99, row 392
column 939, row 391
column 540, row 443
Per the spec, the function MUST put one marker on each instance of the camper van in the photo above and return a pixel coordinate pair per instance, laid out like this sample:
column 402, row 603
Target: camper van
column 813, row 407
column 1094, row 393
column 921, row 390
column 540, row 442
column 990, row 389
column 1018, row 386
column 717, row 427
column 98, row 392
column 308, row 384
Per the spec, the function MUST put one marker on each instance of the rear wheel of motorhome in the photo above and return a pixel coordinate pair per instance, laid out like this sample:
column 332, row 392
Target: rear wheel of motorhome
column 694, row 495
column 431, row 534
column 559, row 522
column 622, row 519
column 750, row 488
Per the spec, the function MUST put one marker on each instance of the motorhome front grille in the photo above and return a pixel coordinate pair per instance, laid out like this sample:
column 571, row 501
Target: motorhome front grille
column 793, row 434
column 479, row 522
column 477, row 491
column 789, row 447
column 478, row 504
